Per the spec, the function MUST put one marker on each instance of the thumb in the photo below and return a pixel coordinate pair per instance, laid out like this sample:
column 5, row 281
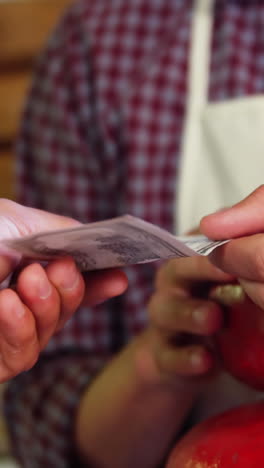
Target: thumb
column 242, row 219
column 16, row 221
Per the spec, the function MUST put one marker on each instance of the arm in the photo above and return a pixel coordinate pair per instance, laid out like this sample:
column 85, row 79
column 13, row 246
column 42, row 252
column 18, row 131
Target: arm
column 132, row 412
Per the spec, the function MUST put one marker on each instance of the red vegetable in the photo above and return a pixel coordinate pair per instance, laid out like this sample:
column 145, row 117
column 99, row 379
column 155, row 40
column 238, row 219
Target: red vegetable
column 241, row 342
column 234, row 439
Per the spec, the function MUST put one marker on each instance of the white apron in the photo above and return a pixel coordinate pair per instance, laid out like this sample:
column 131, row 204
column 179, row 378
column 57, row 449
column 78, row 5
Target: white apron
column 223, row 143
column 222, row 161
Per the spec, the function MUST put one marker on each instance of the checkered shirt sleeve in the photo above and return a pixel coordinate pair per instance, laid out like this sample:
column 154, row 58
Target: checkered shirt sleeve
column 45, row 410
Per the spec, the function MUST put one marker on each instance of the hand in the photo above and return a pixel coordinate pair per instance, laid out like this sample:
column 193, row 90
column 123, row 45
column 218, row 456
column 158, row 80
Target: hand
column 242, row 257
column 182, row 320
column 43, row 299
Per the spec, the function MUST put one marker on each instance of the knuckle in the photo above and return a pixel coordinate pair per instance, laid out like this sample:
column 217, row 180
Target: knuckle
column 24, row 341
column 21, row 359
column 28, row 339
column 164, row 273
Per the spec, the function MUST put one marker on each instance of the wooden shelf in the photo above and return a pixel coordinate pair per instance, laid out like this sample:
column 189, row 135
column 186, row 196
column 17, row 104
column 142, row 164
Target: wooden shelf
column 7, row 175
column 13, row 87
column 24, row 26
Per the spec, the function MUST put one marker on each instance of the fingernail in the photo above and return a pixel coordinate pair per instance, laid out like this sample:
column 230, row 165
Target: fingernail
column 200, row 315
column 228, row 294
column 44, row 288
column 70, row 279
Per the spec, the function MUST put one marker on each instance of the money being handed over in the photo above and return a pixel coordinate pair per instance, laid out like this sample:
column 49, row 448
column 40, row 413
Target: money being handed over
column 117, row 242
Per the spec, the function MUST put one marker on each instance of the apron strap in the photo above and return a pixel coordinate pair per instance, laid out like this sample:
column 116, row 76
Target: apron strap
column 198, row 78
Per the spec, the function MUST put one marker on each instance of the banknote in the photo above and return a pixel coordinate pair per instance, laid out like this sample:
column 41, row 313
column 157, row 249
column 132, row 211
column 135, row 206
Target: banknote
column 117, row 242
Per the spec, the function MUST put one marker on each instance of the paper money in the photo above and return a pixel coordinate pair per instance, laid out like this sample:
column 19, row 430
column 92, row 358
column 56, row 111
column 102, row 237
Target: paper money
column 118, row 242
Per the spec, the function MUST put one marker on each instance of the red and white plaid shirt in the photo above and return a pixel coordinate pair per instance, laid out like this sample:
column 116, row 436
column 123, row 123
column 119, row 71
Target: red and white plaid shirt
column 101, row 137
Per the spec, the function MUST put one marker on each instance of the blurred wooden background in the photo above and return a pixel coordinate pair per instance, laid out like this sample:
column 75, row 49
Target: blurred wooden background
column 24, row 27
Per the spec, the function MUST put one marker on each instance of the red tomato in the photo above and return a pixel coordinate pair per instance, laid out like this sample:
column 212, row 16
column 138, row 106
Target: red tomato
column 241, row 342
column 234, row 439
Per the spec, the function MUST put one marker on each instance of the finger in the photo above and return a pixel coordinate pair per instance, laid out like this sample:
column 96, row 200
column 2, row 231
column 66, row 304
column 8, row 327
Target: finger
column 20, row 220
column 69, row 283
column 18, row 337
column 17, row 220
column 187, row 271
column 189, row 361
column 8, row 262
column 244, row 218
column 43, row 300
column 174, row 314
column 242, row 257
column 103, row 285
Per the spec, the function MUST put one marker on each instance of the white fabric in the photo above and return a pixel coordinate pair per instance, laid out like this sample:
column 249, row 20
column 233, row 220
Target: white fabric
column 222, row 161
column 223, row 143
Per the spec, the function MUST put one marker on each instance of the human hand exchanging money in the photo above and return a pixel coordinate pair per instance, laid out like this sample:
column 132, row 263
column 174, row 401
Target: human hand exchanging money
column 156, row 379
column 243, row 256
column 43, row 298
column 183, row 319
